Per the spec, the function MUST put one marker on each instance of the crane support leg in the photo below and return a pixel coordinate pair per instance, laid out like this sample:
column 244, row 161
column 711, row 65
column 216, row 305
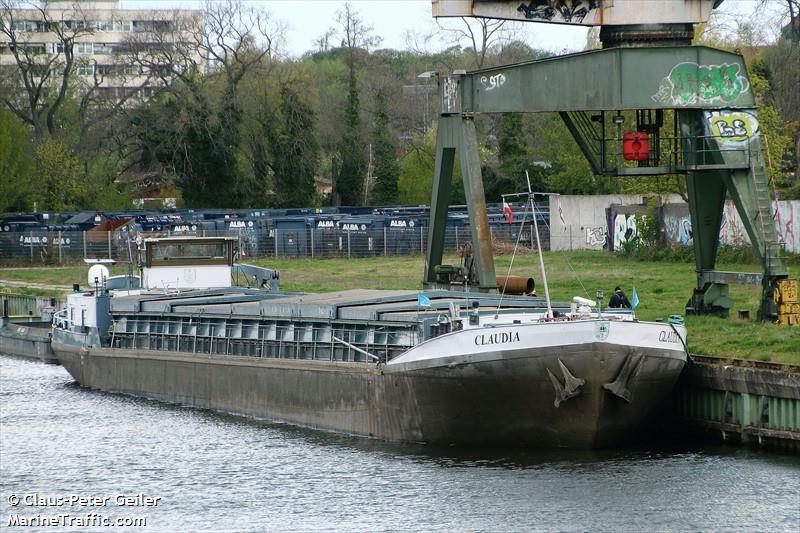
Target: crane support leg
column 742, row 175
column 457, row 134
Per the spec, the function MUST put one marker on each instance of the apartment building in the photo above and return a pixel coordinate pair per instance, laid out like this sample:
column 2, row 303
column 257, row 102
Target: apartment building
column 108, row 39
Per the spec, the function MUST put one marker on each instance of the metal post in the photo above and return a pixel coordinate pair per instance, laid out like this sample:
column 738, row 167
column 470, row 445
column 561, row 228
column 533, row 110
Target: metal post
column 84, row 245
column 532, row 237
column 348, row 243
column 457, row 243
column 312, row 241
column 276, row 242
column 109, row 244
column 385, row 251
column 421, row 242
column 31, row 247
column 59, row 247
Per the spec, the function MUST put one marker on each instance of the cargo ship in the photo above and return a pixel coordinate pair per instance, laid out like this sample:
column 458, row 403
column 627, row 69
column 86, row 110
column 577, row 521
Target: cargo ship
column 444, row 366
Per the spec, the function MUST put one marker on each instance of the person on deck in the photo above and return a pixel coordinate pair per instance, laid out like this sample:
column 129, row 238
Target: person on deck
column 619, row 300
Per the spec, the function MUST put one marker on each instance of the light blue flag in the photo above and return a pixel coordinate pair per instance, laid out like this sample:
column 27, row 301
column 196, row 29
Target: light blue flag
column 634, row 300
column 423, row 301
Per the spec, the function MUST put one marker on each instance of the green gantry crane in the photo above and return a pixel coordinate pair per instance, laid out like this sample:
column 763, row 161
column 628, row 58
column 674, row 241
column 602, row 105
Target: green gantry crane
column 648, row 103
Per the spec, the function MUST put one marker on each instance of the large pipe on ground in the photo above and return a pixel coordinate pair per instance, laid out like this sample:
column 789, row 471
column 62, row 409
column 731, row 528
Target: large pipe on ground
column 515, row 284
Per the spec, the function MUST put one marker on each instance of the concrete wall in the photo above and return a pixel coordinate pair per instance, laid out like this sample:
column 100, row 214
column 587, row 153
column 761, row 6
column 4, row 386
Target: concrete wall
column 582, row 222
column 579, row 222
column 677, row 225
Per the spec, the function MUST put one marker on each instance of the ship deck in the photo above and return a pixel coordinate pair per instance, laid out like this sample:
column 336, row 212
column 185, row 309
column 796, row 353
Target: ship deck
column 358, row 304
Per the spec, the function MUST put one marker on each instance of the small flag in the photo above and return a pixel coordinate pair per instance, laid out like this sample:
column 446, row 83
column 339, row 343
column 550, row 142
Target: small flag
column 634, row 300
column 423, row 300
column 507, row 210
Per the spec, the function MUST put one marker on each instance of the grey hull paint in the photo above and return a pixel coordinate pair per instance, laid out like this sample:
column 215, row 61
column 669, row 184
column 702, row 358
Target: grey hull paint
column 507, row 401
column 27, row 341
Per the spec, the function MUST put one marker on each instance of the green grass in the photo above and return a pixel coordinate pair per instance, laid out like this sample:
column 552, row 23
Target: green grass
column 663, row 288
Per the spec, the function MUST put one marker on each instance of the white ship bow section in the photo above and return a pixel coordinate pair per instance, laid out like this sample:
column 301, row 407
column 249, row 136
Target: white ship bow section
column 483, row 343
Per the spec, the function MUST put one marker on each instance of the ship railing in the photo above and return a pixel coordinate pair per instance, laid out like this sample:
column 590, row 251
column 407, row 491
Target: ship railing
column 61, row 320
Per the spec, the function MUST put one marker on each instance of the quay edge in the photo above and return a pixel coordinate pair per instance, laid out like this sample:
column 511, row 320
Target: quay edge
column 739, row 401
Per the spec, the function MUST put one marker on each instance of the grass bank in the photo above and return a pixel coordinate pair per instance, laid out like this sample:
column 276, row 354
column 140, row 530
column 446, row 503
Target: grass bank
column 663, row 289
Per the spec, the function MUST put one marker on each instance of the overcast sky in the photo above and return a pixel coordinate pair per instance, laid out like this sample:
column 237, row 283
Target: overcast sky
column 392, row 19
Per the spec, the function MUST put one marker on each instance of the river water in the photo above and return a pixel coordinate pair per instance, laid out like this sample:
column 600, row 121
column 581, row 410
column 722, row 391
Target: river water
column 182, row 469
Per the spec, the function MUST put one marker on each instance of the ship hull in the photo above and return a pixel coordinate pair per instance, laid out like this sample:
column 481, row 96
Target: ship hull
column 587, row 393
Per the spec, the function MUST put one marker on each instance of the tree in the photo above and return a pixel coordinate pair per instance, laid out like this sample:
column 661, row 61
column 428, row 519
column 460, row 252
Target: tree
column 514, row 160
column 568, row 172
column 353, row 163
column 59, row 178
column 348, row 185
column 39, row 81
column 16, row 165
column 202, row 67
column 415, row 182
column 791, row 9
column 387, row 170
column 782, row 69
column 480, row 35
column 296, row 152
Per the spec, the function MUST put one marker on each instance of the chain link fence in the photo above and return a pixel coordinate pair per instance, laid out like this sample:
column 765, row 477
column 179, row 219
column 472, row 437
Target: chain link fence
column 299, row 240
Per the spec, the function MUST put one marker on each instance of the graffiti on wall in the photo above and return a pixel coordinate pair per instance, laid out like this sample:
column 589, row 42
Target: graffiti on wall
column 449, row 94
column 493, row 82
column 731, row 230
column 678, row 228
column 786, row 216
column 596, row 237
column 731, row 127
column 622, row 228
column 566, row 10
column 690, row 84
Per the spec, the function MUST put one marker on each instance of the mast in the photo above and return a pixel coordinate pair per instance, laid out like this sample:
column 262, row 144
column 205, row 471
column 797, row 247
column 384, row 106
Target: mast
column 539, row 248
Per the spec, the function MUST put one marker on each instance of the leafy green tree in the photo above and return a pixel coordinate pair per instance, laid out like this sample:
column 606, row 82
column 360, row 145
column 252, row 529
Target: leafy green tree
column 296, row 152
column 514, row 158
column 357, row 38
column 353, row 165
column 208, row 173
column 16, row 166
column 387, row 170
column 59, row 177
column 567, row 170
column 416, row 172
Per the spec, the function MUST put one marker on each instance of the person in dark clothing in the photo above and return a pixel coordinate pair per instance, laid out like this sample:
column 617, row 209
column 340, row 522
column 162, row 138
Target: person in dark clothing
column 619, row 300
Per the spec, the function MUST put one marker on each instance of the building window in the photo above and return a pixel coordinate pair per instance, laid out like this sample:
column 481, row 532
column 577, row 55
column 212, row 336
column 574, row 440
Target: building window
column 122, row 26
column 85, row 70
column 103, row 49
column 143, row 25
column 84, row 48
column 30, row 48
column 104, row 25
column 26, row 26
